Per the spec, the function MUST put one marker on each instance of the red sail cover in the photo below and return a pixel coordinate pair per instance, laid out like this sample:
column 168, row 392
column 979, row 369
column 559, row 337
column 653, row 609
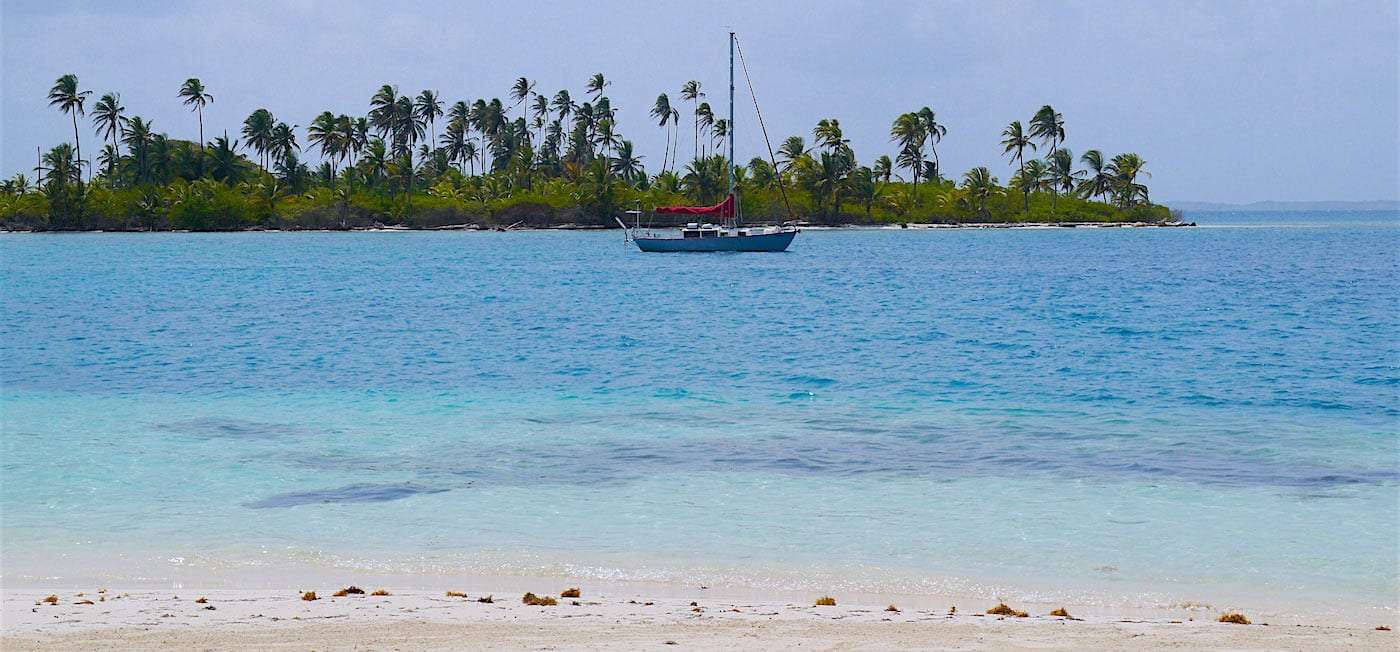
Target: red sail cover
column 722, row 209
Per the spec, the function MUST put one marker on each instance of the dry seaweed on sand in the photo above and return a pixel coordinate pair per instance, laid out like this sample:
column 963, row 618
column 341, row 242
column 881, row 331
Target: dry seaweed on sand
column 571, row 592
column 456, row 594
column 1382, row 628
column 85, row 601
column 309, row 596
column 340, row 594
column 538, row 601
column 201, row 600
column 892, row 608
column 486, row 600
column 1002, row 610
column 826, row 601
column 1236, row 618
column 52, row 599
column 380, row 592
column 1061, row 613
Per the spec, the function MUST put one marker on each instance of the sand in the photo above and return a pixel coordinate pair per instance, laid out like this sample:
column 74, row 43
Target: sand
column 430, row 620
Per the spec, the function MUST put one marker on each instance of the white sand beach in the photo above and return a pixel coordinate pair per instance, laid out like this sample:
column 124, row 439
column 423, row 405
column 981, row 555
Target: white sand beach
column 623, row 618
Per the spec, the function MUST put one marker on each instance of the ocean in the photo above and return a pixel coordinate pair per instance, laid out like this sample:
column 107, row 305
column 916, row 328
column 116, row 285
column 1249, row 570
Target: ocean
column 1143, row 416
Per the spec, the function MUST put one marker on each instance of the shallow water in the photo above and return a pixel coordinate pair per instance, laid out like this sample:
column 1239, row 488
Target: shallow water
column 1161, row 414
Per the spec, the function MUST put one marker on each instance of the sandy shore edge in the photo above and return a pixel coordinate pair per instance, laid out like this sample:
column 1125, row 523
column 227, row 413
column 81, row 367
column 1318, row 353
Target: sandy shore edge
column 432, row 620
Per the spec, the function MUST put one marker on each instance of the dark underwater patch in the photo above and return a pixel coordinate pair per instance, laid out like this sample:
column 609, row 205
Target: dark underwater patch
column 230, row 428
column 352, row 493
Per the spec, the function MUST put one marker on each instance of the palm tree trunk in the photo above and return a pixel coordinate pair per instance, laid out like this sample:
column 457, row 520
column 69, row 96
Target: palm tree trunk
column 666, row 150
column 1025, row 189
column 78, row 146
column 675, row 142
column 201, row 133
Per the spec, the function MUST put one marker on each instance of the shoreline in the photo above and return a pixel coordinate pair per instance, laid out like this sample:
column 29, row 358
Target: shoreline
column 609, row 616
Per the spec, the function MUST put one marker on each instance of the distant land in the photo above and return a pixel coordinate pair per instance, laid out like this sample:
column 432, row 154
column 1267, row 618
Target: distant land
column 1287, row 206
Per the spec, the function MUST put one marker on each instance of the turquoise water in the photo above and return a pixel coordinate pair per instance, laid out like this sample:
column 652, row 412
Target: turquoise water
column 1161, row 414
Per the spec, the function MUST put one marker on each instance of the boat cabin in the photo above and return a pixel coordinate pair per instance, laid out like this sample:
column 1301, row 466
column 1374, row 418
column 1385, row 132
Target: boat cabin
column 697, row 230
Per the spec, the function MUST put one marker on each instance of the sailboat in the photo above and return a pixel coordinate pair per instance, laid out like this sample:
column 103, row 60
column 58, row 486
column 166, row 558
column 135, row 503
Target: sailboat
column 729, row 232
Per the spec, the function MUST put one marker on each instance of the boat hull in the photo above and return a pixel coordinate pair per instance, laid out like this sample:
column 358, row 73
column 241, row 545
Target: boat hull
column 757, row 242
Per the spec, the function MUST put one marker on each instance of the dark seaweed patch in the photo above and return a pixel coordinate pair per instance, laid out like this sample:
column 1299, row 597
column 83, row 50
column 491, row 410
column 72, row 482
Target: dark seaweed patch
column 353, row 493
column 229, row 428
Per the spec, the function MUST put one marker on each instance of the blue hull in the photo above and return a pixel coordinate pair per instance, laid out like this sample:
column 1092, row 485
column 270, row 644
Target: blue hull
column 760, row 242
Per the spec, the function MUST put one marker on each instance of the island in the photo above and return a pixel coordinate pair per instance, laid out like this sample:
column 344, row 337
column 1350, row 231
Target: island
column 538, row 161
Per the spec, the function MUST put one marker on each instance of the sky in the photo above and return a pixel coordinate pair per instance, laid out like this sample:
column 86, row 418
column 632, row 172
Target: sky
column 1227, row 101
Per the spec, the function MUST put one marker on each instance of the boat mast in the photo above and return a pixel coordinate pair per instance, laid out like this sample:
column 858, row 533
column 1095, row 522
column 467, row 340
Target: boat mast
column 730, row 129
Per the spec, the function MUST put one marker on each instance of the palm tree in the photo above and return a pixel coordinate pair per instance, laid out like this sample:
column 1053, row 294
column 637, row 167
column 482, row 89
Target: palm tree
column 16, row 185
column 662, row 110
column 676, row 137
column 1063, row 176
column 107, row 117
column 762, row 173
column 704, row 179
column 935, row 133
column 607, row 138
column 428, row 108
column 1034, row 176
column 1125, row 169
column 348, row 133
column 884, row 168
column 980, row 185
column 564, row 105
column 1049, row 127
column 108, row 158
column 691, row 91
column 706, row 117
column 324, row 134
column 627, row 164
column 1100, row 180
column 376, row 161
column 1015, row 139
column 408, row 130
column 193, row 94
column 865, row 187
column 66, row 96
column 382, row 106
column 540, row 113
column 909, row 133
column 791, row 150
column 828, row 134
column 225, row 166
column 283, row 143
column 521, row 90
column 138, row 139
column 596, row 84
column 825, row 179
column 61, row 165
column 257, row 132
column 454, row 143
column 718, row 136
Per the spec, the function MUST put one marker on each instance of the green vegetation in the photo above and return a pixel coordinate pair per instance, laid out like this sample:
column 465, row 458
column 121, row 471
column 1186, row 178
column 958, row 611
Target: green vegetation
column 539, row 161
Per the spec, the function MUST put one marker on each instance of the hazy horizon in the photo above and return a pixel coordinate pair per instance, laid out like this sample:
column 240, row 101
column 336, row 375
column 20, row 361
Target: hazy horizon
column 1228, row 102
